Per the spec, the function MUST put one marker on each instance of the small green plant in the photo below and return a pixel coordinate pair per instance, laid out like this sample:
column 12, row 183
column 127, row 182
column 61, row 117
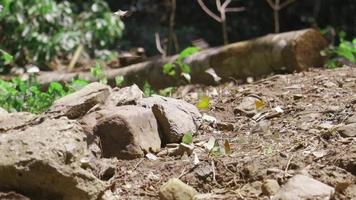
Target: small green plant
column 345, row 50
column 147, row 89
column 187, row 138
column 98, row 73
column 18, row 95
column 119, row 80
column 167, row 92
column 178, row 67
column 5, row 59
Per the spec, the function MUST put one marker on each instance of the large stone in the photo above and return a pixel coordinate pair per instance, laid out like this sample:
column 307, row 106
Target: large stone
column 127, row 132
column 348, row 130
column 79, row 103
column 351, row 119
column 48, row 161
column 175, row 117
column 12, row 196
column 124, row 96
column 175, row 189
column 13, row 120
column 270, row 187
column 302, row 187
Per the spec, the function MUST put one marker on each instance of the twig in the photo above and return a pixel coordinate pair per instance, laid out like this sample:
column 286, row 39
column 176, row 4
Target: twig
column 208, row 11
column 214, row 173
column 75, row 58
column 159, row 46
column 288, row 163
column 138, row 163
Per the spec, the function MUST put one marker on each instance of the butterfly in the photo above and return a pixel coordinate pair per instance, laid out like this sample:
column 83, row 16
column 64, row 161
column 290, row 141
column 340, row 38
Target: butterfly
column 123, row 13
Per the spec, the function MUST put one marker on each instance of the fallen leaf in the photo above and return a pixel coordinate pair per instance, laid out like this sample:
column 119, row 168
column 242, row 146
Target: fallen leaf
column 209, row 118
column 227, row 147
column 204, row 102
column 150, row 156
column 196, row 159
column 210, row 144
column 260, row 104
column 187, row 138
column 278, row 109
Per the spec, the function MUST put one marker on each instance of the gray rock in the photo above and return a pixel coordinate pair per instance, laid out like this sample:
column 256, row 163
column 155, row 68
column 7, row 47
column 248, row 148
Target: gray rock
column 351, row 119
column 348, row 130
column 13, row 120
column 124, row 96
column 302, row 187
column 177, row 103
column 175, row 189
column 79, row 103
column 44, row 161
column 270, row 187
column 176, row 117
column 127, row 132
column 12, row 196
column 247, row 106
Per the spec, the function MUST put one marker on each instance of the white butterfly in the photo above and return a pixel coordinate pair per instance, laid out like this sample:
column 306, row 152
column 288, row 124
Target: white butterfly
column 123, row 13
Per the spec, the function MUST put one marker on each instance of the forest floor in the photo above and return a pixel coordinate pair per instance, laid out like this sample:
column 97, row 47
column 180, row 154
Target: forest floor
column 296, row 128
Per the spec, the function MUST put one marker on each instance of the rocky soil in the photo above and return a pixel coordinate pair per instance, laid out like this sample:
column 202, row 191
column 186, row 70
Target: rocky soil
column 282, row 137
column 307, row 126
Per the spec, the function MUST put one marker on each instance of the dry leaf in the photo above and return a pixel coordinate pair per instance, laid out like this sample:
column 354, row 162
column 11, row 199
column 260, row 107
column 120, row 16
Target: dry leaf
column 260, row 104
column 227, row 147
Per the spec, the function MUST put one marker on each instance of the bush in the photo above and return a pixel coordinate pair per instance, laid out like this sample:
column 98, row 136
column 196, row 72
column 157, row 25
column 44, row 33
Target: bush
column 38, row 30
column 345, row 51
column 18, row 95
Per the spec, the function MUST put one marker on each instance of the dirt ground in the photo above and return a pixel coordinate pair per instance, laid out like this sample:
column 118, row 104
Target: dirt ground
column 295, row 130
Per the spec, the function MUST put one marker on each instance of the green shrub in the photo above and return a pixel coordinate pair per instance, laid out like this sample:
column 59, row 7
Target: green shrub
column 18, row 95
column 38, row 30
column 178, row 67
column 345, row 50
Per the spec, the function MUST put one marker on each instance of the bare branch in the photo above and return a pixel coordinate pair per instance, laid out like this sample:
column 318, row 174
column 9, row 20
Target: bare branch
column 159, row 46
column 225, row 4
column 208, row 11
column 235, row 9
column 218, row 5
column 271, row 4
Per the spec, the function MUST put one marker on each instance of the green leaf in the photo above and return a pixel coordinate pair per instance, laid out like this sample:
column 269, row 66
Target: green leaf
column 187, row 138
column 210, row 144
column 119, row 80
column 188, row 52
column 169, row 69
column 77, row 84
column 167, row 91
column 6, row 57
column 204, row 102
column 56, row 88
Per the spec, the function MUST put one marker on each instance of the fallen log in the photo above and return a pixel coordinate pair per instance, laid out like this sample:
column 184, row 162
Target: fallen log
column 274, row 53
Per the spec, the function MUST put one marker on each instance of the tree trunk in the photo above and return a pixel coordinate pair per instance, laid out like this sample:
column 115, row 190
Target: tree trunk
column 274, row 53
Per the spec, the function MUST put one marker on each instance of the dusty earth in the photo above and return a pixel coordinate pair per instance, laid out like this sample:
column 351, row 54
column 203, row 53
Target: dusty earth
column 295, row 128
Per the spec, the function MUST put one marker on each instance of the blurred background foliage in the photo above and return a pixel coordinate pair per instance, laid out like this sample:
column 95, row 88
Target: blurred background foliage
column 37, row 31
column 192, row 23
column 40, row 31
